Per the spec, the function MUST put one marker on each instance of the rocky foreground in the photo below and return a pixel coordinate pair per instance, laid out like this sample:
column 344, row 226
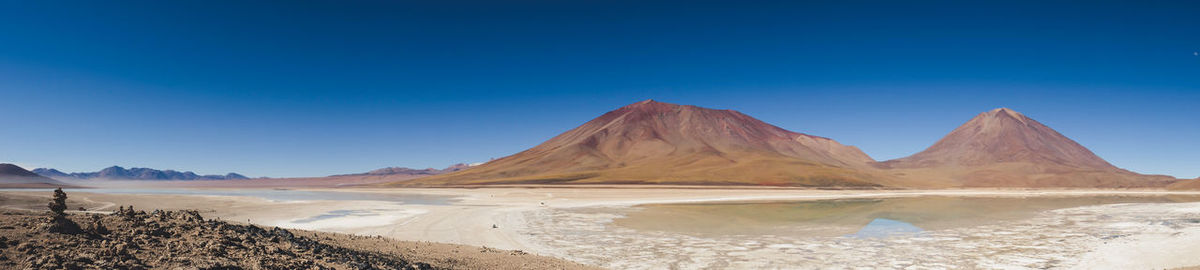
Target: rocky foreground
column 134, row 239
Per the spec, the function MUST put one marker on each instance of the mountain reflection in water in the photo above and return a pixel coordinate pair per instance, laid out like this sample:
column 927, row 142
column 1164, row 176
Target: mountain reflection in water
column 882, row 227
column 849, row 217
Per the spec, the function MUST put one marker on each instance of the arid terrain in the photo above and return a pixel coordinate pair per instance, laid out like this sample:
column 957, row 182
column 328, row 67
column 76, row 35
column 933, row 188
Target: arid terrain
column 1193, row 184
column 598, row 225
column 650, row 185
column 657, row 143
column 914, row 135
column 131, row 238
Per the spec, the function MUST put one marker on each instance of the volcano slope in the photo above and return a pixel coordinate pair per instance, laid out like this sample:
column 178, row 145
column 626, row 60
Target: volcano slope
column 1192, row 184
column 1004, row 148
column 652, row 142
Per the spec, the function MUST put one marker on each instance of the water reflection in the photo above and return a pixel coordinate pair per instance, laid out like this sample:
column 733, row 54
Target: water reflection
column 852, row 216
column 882, row 227
column 337, row 214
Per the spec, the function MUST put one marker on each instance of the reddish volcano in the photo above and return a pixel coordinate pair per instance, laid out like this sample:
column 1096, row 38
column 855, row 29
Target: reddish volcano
column 662, row 143
column 1003, row 148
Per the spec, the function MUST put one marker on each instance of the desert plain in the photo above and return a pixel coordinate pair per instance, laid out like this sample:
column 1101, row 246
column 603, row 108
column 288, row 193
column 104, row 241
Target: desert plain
column 655, row 185
column 630, row 227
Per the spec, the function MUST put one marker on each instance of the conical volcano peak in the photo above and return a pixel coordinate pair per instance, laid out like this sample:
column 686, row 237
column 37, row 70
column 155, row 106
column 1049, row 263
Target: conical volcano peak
column 1002, row 147
column 1004, row 112
column 650, row 103
column 717, row 125
column 1007, row 111
column 656, row 142
column 1003, row 135
column 652, row 106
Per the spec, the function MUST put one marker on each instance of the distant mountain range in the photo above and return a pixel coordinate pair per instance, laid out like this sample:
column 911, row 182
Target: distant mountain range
column 403, row 171
column 390, row 174
column 119, row 173
column 651, row 142
column 13, row 176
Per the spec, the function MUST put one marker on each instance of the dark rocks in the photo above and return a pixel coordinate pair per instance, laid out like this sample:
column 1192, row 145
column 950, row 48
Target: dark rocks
column 130, row 239
column 97, row 227
column 58, row 203
column 58, row 222
column 26, row 247
column 133, row 239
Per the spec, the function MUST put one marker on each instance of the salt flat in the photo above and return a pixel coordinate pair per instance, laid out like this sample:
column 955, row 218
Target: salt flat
column 581, row 224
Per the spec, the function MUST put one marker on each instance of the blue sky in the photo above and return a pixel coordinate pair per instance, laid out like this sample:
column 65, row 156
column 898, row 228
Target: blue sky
column 295, row 88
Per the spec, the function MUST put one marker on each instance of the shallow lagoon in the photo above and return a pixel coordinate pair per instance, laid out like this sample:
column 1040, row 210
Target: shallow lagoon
column 856, row 217
column 927, row 232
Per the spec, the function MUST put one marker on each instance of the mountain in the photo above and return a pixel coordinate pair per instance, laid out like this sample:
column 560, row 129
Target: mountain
column 52, row 173
column 651, row 142
column 119, row 173
column 13, row 176
column 1191, row 184
column 390, row 174
column 403, row 171
column 1004, row 148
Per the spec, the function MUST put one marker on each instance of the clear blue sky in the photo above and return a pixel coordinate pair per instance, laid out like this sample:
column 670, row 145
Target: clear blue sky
column 295, row 88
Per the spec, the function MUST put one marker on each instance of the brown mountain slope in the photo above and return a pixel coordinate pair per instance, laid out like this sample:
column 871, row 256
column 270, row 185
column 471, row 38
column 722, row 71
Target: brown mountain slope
column 13, row 176
column 1003, row 148
column 652, row 142
column 1192, row 184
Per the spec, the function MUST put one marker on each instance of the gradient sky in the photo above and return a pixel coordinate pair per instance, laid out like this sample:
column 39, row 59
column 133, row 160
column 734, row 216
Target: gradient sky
column 296, row 88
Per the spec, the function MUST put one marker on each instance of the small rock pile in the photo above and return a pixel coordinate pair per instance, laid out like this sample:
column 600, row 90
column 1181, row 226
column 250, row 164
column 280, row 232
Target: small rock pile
column 58, row 222
column 131, row 239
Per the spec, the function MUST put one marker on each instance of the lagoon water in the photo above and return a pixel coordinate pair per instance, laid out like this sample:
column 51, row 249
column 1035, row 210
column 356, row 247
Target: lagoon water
column 856, row 217
column 882, row 227
column 925, row 232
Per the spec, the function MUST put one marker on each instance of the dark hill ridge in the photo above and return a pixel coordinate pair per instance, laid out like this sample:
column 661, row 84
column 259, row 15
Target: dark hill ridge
column 1004, row 148
column 651, row 142
column 13, row 176
column 12, row 170
column 119, row 173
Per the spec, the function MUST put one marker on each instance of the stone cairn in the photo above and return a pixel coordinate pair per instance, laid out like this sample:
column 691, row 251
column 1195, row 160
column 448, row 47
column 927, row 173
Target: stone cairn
column 58, row 221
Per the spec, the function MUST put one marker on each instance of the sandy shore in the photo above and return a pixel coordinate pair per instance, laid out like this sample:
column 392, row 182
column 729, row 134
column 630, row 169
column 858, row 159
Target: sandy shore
column 537, row 220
